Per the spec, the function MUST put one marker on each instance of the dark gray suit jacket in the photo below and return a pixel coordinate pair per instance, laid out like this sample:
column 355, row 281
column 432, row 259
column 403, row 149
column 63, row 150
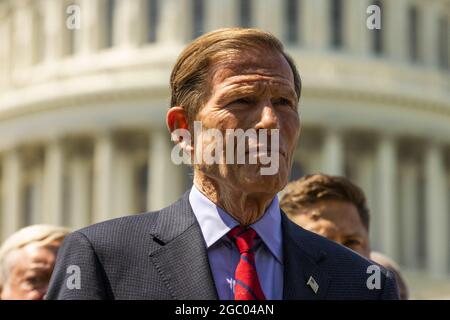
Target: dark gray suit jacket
column 162, row 255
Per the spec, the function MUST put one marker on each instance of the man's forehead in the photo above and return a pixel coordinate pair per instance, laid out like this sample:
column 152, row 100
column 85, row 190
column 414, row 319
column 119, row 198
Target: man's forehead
column 34, row 250
column 332, row 226
column 341, row 212
column 245, row 63
column 336, row 206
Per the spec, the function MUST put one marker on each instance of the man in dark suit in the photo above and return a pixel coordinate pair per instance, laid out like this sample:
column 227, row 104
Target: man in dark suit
column 226, row 238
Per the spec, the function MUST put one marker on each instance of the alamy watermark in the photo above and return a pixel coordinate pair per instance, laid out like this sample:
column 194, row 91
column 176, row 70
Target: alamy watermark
column 374, row 280
column 233, row 146
column 74, row 279
column 374, row 20
column 73, row 21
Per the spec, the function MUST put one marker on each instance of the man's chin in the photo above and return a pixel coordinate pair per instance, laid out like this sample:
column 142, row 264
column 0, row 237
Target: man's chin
column 255, row 183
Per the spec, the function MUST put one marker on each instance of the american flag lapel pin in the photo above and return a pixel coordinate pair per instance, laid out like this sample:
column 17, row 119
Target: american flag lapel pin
column 313, row 284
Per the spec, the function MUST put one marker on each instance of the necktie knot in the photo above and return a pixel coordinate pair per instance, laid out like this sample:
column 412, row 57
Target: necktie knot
column 243, row 237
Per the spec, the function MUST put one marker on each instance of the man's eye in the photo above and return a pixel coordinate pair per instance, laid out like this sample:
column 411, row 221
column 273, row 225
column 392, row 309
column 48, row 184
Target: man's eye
column 351, row 243
column 242, row 101
column 37, row 280
column 282, row 101
column 33, row 280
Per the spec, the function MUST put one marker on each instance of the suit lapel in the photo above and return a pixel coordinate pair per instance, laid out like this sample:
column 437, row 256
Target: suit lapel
column 302, row 265
column 181, row 257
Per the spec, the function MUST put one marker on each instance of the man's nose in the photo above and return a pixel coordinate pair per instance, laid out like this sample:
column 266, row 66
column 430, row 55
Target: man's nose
column 268, row 118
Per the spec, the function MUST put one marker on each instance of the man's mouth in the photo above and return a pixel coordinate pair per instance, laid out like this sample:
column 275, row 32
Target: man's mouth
column 259, row 150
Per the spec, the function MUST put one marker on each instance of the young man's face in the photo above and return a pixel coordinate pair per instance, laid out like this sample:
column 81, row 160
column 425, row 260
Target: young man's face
column 338, row 221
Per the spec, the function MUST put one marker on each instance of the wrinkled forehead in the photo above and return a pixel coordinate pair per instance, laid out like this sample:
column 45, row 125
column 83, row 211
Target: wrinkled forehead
column 237, row 64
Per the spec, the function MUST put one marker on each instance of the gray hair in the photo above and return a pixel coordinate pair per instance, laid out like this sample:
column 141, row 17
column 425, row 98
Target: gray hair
column 40, row 233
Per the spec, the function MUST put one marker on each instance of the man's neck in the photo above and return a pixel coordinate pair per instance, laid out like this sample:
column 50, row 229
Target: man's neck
column 246, row 208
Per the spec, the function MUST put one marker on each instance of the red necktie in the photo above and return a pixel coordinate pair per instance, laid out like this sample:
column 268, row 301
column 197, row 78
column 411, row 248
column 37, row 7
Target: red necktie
column 247, row 285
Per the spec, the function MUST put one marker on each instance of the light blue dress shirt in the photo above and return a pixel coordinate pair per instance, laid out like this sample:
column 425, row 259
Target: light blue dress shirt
column 223, row 254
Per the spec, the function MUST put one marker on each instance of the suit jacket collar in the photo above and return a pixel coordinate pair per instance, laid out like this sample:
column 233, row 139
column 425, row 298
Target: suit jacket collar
column 216, row 223
column 181, row 258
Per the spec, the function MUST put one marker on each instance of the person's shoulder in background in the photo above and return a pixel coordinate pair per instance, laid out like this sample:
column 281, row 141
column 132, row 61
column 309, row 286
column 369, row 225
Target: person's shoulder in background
column 390, row 265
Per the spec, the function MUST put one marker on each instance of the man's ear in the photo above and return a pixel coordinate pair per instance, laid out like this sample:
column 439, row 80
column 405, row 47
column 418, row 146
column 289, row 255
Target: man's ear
column 176, row 118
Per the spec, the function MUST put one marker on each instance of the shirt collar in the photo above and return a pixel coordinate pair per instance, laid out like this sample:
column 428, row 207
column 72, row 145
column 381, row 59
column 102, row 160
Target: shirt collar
column 215, row 222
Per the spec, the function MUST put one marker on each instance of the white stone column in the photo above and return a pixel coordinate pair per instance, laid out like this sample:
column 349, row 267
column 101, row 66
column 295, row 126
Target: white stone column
column 22, row 40
column 437, row 211
column 91, row 31
column 5, row 48
column 387, row 196
column 269, row 16
column 315, row 21
column 333, row 153
column 129, row 32
column 220, row 14
column 54, row 26
column 104, row 29
column 165, row 179
column 37, row 213
column 356, row 35
column 124, row 193
column 409, row 180
column 79, row 192
column 103, row 177
column 365, row 178
column 395, row 28
column 430, row 20
column 53, row 183
column 12, row 218
column 175, row 23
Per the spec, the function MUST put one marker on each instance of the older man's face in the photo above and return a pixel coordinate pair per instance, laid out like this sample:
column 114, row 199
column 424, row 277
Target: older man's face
column 30, row 271
column 253, row 90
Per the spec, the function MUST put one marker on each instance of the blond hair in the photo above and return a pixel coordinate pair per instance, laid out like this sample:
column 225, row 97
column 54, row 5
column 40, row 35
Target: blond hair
column 41, row 234
column 191, row 75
